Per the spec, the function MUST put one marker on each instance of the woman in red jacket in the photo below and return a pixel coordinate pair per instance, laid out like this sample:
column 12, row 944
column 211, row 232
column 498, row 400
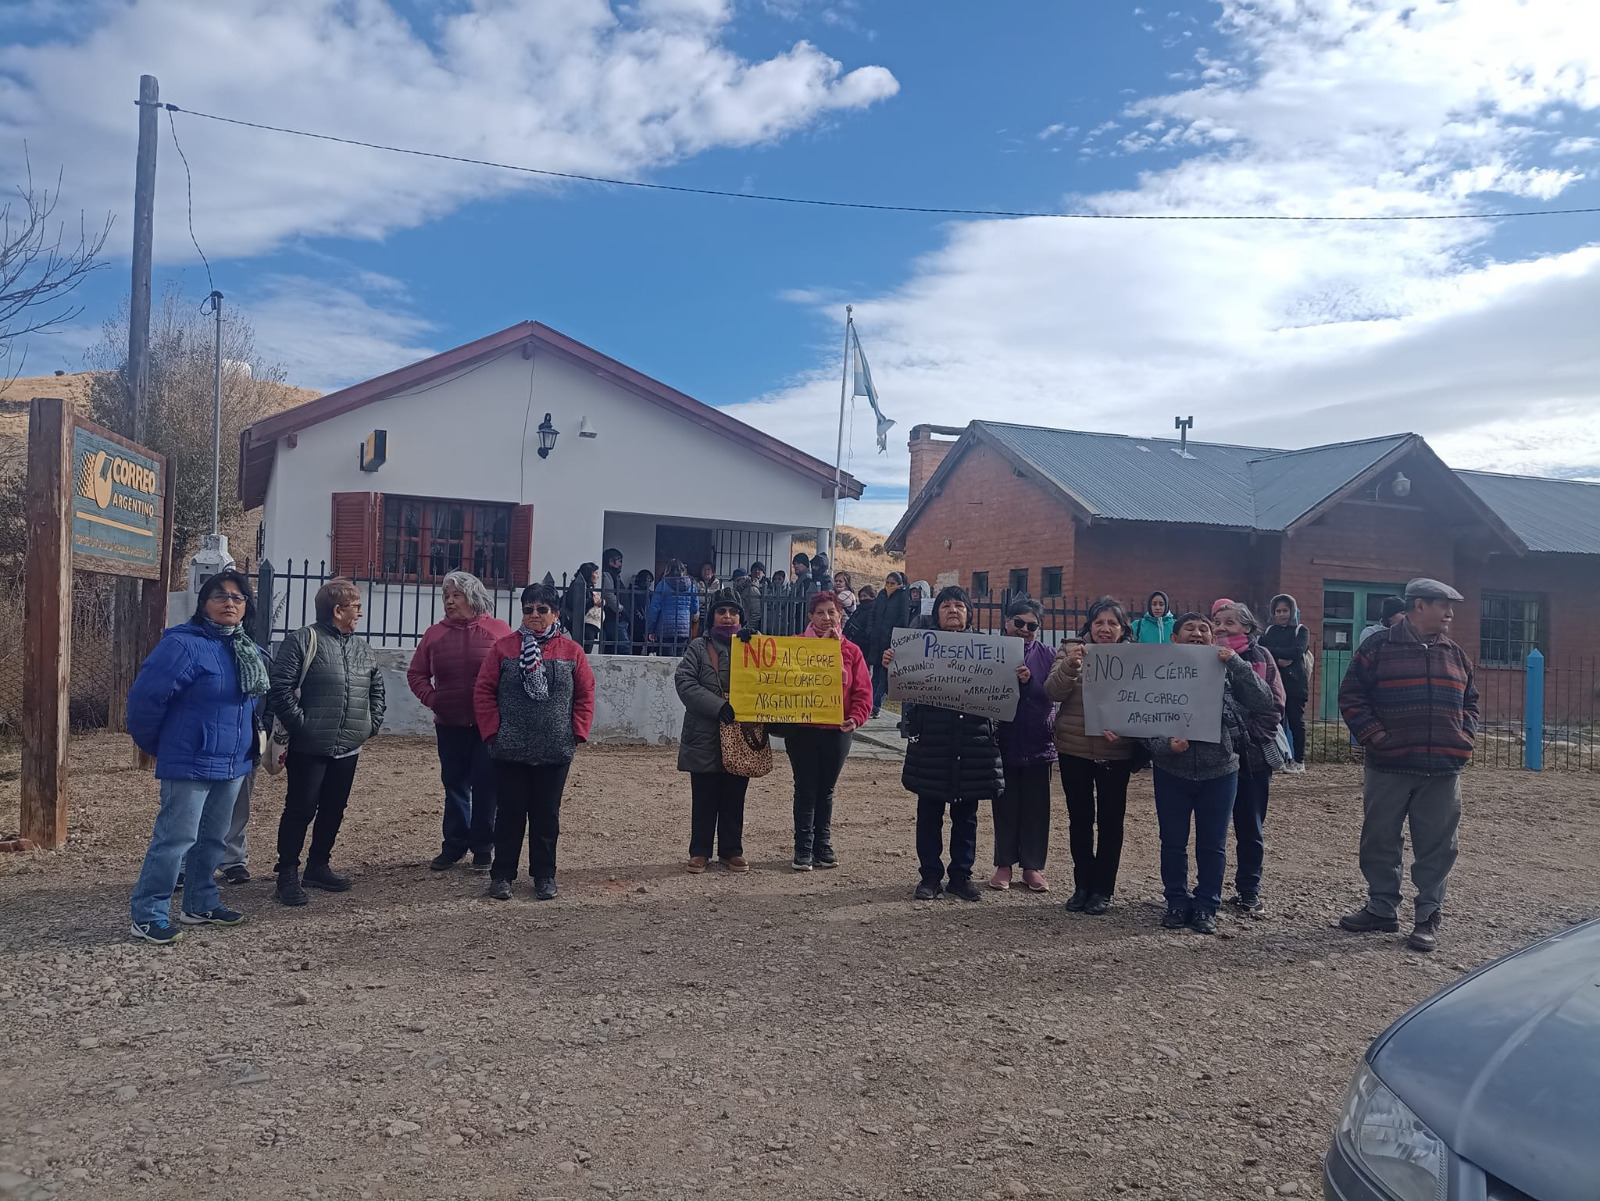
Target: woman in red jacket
column 534, row 699
column 817, row 753
column 441, row 674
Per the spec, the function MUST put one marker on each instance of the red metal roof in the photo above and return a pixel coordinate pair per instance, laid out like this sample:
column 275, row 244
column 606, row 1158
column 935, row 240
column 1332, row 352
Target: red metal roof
column 258, row 443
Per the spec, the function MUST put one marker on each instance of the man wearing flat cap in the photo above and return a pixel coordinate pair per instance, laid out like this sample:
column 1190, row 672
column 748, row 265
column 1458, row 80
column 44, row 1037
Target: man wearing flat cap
column 1409, row 699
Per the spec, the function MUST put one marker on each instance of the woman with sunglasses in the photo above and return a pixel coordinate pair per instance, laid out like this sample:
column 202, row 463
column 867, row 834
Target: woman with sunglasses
column 1094, row 770
column 192, row 707
column 1027, row 759
column 716, row 815
column 534, row 700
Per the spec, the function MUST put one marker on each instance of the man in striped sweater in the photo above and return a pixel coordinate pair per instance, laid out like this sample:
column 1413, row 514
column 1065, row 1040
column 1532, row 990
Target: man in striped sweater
column 1409, row 699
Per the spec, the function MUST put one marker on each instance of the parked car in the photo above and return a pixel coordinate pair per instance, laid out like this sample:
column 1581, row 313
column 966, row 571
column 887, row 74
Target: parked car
column 1488, row 1090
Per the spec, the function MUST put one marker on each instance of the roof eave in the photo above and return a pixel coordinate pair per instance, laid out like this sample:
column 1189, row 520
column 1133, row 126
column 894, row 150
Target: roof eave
column 258, row 442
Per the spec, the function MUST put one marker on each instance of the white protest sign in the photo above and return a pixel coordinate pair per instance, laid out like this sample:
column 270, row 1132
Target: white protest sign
column 1153, row 690
column 971, row 673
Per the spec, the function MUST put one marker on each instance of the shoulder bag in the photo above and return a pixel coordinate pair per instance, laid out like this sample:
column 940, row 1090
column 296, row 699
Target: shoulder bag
column 278, row 741
column 746, row 745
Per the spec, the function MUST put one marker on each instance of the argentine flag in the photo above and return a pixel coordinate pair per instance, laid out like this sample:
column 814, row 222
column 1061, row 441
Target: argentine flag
column 864, row 387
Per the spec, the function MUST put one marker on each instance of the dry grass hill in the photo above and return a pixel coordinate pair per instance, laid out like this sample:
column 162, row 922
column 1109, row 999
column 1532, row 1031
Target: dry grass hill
column 863, row 566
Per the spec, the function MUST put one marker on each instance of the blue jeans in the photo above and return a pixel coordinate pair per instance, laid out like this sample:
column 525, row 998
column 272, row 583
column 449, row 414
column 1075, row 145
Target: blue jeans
column 1210, row 803
column 193, row 821
column 469, row 791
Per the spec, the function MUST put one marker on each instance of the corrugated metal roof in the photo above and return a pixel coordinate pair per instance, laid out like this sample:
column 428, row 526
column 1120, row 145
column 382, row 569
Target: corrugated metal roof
column 1140, row 479
column 1290, row 484
column 1556, row 516
column 1146, row 479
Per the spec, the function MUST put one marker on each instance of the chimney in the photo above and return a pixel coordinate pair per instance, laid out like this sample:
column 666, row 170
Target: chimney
column 927, row 454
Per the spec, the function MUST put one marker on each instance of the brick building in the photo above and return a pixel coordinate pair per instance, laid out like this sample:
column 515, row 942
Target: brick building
column 1341, row 527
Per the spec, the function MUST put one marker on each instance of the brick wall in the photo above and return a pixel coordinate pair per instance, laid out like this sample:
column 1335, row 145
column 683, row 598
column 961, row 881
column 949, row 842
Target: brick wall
column 927, row 452
column 994, row 521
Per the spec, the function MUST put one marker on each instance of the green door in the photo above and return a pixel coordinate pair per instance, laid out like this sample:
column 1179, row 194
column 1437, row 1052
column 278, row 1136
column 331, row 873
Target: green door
column 1347, row 609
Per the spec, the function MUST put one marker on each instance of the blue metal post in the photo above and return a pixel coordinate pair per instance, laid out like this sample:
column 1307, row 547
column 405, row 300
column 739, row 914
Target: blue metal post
column 1533, row 714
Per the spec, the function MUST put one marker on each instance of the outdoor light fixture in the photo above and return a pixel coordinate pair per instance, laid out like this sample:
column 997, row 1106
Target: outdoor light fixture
column 1400, row 485
column 585, row 430
column 547, row 437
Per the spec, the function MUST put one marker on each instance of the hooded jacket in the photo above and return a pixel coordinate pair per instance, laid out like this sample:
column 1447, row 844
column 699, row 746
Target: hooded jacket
column 1289, row 643
column 445, row 666
column 1149, row 628
column 672, row 608
column 186, row 709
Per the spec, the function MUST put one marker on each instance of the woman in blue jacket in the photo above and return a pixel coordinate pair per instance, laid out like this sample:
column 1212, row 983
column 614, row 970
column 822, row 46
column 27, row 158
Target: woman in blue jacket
column 673, row 606
column 193, row 708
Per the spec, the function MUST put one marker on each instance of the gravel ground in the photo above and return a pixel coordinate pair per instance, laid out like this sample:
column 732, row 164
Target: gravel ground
column 653, row 1034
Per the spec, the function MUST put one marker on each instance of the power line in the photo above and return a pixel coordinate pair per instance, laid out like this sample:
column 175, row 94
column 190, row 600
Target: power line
column 880, row 208
column 189, row 187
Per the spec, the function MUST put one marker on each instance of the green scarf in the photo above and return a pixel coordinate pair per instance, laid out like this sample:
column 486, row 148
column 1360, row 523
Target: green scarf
column 252, row 671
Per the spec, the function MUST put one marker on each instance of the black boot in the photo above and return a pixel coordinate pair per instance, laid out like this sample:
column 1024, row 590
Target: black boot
column 320, row 875
column 289, row 891
column 822, row 840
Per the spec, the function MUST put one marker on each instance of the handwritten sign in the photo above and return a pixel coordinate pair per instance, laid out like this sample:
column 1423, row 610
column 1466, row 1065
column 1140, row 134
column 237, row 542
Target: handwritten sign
column 1153, row 690
column 117, row 502
column 793, row 681
column 971, row 673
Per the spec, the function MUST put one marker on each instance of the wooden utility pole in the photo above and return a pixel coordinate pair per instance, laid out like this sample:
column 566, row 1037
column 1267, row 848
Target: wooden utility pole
column 131, row 613
column 47, row 622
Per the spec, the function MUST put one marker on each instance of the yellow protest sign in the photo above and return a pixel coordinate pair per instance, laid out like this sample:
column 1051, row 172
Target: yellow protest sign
column 798, row 681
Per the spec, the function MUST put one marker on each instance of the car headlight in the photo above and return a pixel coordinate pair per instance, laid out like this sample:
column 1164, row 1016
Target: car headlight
column 1390, row 1141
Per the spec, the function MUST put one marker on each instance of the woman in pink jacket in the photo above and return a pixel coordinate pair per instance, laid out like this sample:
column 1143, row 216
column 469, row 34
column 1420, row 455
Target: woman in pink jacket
column 817, row 753
column 442, row 674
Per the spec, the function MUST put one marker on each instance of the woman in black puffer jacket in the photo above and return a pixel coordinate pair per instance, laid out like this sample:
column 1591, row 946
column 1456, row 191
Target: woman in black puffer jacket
column 951, row 759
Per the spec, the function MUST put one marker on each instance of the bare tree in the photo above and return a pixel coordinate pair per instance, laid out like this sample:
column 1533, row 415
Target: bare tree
column 40, row 266
column 178, row 403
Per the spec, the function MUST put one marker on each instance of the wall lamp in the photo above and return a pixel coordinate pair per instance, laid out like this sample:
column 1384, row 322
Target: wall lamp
column 547, row 437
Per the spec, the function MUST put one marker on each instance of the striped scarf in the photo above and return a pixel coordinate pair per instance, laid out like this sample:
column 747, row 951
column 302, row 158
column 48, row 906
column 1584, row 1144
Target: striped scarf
column 535, row 680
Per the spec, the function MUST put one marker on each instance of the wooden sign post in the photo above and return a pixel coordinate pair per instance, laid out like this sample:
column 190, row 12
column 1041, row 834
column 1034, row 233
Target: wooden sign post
column 96, row 502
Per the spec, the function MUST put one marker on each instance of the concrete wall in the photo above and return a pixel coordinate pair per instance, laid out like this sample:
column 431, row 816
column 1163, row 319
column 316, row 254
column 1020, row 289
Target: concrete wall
column 635, row 700
column 465, row 440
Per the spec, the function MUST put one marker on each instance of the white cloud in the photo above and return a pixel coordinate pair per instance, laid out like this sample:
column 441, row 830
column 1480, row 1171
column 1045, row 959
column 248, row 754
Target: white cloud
column 568, row 85
column 1270, row 332
column 328, row 335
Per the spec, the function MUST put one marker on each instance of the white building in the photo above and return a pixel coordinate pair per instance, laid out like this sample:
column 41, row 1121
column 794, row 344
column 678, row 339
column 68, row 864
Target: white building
column 637, row 465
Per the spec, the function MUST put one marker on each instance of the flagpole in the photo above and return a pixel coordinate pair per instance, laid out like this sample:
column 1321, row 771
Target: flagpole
column 838, row 452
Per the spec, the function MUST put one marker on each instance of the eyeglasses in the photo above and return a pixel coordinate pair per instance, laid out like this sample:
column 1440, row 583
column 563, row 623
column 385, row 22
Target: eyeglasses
column 1024, row 625
column 227, row 598
column 725, row 611
column 540, row 609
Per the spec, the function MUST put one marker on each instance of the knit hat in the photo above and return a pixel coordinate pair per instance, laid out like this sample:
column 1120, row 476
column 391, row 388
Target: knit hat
column 725, row 598
column 740, row 573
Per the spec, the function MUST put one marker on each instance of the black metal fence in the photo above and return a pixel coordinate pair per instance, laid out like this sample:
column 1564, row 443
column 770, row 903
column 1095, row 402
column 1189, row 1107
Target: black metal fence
column 396, row 613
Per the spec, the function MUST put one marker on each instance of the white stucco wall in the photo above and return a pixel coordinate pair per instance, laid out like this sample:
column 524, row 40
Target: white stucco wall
column 634, row 699
column 465, row 440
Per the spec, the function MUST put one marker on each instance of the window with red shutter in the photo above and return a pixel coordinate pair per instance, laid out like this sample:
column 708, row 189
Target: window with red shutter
column 423, row 539
column 357, row 517
column 521, row 548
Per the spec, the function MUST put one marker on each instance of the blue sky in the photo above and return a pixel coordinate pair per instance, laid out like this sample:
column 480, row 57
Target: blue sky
column 351, row 262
